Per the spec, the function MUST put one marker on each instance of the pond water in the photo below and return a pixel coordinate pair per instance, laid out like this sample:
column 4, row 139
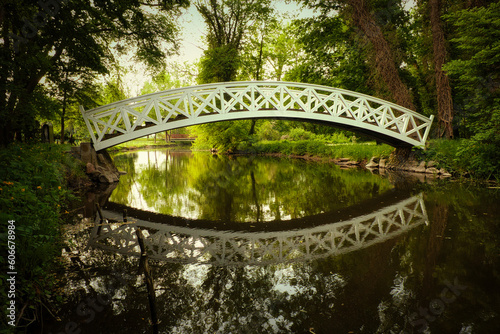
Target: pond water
column 251, row 244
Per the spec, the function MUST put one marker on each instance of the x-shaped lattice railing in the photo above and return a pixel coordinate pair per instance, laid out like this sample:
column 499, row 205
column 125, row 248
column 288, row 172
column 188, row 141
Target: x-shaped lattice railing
column 137, row 117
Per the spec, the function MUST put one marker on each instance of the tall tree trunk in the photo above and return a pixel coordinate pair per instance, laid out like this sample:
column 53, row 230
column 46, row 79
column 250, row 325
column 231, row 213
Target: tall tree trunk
column 63, row 113
column 62, row 123
column 444, row 99
column 261, row 52
column 384, row 59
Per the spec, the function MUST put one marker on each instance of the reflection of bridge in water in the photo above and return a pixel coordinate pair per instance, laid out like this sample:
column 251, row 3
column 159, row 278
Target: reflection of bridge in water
column 180, row 244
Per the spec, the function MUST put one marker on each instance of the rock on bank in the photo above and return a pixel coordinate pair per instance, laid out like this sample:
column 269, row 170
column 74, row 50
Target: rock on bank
column 98, row 165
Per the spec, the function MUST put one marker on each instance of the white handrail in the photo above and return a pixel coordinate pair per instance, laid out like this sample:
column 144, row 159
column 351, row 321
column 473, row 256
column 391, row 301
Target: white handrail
column 125, row 120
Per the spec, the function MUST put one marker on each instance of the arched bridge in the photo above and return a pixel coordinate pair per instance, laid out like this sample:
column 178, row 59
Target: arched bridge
column 137, row 117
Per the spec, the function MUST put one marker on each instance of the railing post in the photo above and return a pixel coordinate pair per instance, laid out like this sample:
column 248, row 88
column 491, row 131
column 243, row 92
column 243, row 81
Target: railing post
column 427, row 130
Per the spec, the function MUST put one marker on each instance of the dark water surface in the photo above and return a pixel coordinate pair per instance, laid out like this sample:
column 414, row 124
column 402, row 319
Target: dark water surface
column 267, row 245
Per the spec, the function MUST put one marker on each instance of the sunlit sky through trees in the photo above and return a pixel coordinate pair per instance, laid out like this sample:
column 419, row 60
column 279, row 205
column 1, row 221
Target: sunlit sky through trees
column 192, row 44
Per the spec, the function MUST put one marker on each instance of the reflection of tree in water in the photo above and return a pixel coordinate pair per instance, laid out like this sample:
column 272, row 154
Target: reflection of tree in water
column 99, row 275
column 454, row 253
column 249, row 188
column 126, row 163
column 372, row 290
column 325, row 295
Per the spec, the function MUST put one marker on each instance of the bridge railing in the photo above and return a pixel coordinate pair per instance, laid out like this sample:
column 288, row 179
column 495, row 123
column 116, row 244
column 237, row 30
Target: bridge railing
column 133, row 118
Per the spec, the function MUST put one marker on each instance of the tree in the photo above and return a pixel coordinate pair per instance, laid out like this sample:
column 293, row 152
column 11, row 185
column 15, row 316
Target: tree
column 385, row 63
column 476, row 74
column 37, row 35
column 331, row 56
column 228, row 21
column 367, row 19
column 72, row 89
column 270, row 50
column 174, row 75
column 443, row 88
column 475, row 67
column 252, row 58
column 283, row 49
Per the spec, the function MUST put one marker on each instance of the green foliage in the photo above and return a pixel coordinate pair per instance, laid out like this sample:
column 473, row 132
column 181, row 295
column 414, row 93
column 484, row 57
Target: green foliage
column 268, row 131
column 361, row 151
column 219, row 64
column 270, row 50
column 480, row 157
column 476, row 70
column 34, row 194
column 465, row 157
column 174, row 75
column 228, row 23
column 223, row 136
column 476, row 73
column 299, row 134
column 112, row 91
column 77, row 39
column 339, row 53
column 443, row 152
column 332, row 57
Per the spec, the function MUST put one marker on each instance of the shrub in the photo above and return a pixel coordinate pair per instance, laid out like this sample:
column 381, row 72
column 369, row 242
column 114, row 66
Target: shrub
column 33, row 193
column 318, row 148
column 300, row 134
column 267, row 132
column 480, row 158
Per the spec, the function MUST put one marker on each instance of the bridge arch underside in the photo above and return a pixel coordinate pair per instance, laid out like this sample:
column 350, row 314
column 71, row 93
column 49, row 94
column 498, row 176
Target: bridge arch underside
column 343, row 124
column 134, row 118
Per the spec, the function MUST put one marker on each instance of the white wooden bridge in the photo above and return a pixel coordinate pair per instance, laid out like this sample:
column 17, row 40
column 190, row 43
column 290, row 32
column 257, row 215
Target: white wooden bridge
column 137, row 117
column 182, row 244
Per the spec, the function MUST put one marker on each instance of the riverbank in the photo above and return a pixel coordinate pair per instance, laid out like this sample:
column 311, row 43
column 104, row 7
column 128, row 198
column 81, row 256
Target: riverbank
column 452, row 156
column 442, row 155
column 148, row 144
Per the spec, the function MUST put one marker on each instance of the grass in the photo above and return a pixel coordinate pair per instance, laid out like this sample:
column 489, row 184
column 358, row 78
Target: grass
column 145, row 142
column 361, row 151
column 461, row 157
column 354, row 151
